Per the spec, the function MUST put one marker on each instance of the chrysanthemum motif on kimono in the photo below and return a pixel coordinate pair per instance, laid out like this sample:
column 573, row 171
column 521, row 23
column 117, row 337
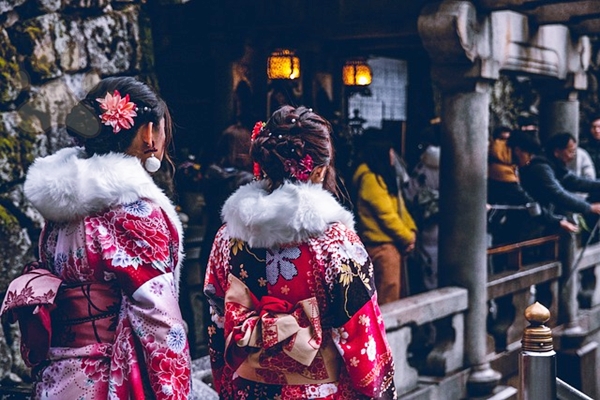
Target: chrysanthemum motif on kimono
column 138, row 208
column 176, row 338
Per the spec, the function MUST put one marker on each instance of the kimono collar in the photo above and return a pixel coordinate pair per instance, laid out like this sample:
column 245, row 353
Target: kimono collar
column 69, row 185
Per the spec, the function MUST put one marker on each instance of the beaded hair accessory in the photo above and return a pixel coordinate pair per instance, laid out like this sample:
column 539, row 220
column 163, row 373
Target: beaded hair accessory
column 118, row 111
column 300, row 170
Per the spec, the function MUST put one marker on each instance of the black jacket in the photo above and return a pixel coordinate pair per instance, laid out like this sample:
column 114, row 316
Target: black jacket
column 218, row 184
column 554, row 186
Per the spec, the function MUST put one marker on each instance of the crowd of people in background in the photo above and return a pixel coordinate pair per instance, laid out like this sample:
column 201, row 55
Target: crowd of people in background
column 537, row 185
column 275, row 218
column 551, row 171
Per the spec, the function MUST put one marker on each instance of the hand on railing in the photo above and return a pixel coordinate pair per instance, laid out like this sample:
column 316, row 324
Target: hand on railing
column 595, row 208
column 569, row 226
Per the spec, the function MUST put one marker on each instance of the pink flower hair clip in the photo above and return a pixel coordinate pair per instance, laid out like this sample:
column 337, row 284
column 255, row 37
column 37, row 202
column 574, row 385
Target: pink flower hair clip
column 299, row 170
column 118, row 111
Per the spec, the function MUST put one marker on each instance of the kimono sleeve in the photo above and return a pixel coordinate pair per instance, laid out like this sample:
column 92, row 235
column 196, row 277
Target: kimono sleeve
column 139, row 248
column 357, row 329
column 215, row 286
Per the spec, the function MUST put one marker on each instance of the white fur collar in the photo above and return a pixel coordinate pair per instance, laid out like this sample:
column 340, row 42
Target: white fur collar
column 69, row 185
column 290, row 214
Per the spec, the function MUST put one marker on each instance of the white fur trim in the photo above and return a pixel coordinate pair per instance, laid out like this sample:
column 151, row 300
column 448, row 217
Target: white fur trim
column 68, row 185
column 292, row 213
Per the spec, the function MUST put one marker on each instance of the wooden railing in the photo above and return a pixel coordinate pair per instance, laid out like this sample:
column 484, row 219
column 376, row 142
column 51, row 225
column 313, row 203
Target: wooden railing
column 519, row 274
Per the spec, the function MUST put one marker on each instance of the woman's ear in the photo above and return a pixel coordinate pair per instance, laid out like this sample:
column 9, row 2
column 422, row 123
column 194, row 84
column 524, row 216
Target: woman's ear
column 318, row 174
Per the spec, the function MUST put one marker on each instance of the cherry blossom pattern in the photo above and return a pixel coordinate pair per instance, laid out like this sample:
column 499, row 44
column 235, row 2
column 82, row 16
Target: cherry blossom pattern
column 370, row 349
column 339, row 336
column 279, row 262
column 157, row 288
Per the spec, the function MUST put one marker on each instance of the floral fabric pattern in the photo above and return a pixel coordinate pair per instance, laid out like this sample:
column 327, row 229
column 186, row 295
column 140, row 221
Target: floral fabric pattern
column 353, row 358
column 132, row 345
column 280, row 263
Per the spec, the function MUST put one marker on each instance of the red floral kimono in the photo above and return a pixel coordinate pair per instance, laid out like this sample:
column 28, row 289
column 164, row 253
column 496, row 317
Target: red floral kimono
column 99, row 313
column 294, row 320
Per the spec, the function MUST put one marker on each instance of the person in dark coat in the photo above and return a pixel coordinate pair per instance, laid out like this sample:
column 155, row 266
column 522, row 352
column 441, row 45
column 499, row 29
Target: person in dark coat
column 231, row 168
column 547, row 178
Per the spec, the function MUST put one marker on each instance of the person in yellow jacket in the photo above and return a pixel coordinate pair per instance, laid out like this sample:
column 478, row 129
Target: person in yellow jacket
column 384, row 224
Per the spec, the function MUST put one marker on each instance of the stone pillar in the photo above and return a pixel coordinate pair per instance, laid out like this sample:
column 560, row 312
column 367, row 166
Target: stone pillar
column 568, row 305
column 462, row 248
column 560, row 116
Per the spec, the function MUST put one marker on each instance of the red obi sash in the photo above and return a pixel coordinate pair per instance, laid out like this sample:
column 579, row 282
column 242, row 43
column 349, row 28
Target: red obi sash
column 53, row 314
column 85, row 313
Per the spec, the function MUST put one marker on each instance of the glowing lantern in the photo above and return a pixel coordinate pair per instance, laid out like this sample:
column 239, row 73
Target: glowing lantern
column 356, row 72
column 283, row 64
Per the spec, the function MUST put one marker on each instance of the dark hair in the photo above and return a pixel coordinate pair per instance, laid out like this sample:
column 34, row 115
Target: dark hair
column 500, row 130
column 376, row 154
column 84, row 124
column 233, row 148
column 290, row 134
column 525, row 119
column 558, row 141
column 594, row 117
column 525, row 141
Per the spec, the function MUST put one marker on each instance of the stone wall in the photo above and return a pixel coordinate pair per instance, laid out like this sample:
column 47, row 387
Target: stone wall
column 51, row 53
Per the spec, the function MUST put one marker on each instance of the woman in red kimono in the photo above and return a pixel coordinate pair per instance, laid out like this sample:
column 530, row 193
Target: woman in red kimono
column 293, row 304
column 98, row 313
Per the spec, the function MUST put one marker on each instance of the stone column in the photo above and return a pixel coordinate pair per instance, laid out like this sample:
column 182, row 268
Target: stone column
column 462, row 244
column 560, row 116
column 452, row 37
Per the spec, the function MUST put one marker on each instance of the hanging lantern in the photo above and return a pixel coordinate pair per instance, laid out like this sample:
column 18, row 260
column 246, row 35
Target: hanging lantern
column 356, row 72
column 283, row 64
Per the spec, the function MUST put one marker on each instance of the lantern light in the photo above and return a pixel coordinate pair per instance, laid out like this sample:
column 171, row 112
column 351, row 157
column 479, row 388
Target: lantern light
column 356, row 72
column 283, row 64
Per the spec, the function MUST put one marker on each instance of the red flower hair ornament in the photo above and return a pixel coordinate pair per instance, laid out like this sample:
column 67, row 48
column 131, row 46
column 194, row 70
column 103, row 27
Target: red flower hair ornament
column 258, row 127
column 299, row 170
column 118, row 111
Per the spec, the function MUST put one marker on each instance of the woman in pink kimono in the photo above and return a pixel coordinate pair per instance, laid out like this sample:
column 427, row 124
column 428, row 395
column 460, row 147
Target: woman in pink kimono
column 98, row 313
column 293, row 303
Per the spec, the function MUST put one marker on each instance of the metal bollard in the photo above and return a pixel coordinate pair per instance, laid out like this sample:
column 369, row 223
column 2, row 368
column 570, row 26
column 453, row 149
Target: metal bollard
column 537, row 360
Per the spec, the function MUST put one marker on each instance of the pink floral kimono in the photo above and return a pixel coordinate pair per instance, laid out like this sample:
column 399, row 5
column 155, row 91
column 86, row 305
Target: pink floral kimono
column 99, row 313
column 293, row 303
